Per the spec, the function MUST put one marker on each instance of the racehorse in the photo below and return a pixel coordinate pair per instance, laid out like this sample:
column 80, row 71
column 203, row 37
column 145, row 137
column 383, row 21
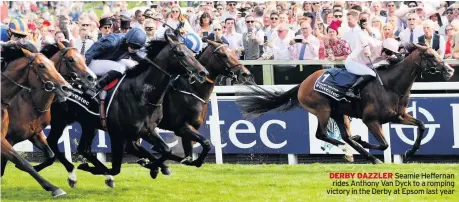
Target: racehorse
column 31, row 72
column 185, row 104
column 136, row 108
column 378, row 104
column 29, row 118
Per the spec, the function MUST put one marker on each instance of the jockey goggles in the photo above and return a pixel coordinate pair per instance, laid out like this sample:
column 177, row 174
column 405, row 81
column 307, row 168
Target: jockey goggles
column 387, row 52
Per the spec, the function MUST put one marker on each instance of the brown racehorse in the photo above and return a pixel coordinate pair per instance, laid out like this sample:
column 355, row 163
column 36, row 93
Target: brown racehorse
column 30, row 111
column 378, row 104
column 33, row 72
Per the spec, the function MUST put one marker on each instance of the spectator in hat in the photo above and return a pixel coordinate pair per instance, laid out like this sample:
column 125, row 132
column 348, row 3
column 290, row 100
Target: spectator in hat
column 231, row 12
column 125, row 25
column 105, row 27
column 336, row 48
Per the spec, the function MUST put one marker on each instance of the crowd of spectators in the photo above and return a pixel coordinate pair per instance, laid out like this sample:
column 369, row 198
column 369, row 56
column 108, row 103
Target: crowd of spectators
column 255, row 30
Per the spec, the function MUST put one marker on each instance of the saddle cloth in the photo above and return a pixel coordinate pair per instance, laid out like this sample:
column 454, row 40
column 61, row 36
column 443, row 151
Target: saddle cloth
column 335, row 82
column 94, row 105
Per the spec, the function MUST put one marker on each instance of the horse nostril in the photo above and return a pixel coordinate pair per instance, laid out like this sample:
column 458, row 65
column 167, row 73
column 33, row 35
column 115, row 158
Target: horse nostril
column 203, row 73
column 91, row 78
column 66, row 88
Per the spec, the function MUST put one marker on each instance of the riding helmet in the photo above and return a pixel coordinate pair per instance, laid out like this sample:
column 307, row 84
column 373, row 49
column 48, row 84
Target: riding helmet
column 17, row 26
column 193, row 42
column 136, row 37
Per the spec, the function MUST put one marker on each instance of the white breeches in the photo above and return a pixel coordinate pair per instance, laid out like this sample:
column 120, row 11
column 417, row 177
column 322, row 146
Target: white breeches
column 358, row 68
column 101, row 67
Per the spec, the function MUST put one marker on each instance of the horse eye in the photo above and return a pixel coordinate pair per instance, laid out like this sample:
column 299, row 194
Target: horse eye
column 42, row 66
column 70, row 59
column 180, row 53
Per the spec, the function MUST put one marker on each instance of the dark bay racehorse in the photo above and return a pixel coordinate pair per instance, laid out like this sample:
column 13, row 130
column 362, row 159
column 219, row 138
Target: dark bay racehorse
column 30, row 111
column 378, row 104
column 30, row 72
column 135, row 110
column 185, row 104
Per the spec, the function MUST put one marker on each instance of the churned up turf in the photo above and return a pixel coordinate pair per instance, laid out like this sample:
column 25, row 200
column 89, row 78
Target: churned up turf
column 226, row 182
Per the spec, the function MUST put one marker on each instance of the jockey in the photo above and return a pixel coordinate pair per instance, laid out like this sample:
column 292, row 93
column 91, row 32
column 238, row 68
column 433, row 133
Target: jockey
column 361, row 60
column 108, row 56
column 17, row 29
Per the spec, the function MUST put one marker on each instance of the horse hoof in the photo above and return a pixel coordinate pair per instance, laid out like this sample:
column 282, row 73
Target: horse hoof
column 166, row 171
column 83, row 166
column 110, row 181
column 72, row 183
column 154, row 173
column 58, row 192
column 187, row 161
column 349, row 158
column 356, row 138
column 142, row 162
column 197, row 164
column 377, row 161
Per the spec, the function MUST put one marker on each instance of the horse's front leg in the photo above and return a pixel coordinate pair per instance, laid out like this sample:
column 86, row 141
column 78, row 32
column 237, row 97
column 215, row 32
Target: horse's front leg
column 39, row 140
column 188, row 132
column 10, row 154
column 407, row 119
column 84, row 148
column 136, row 149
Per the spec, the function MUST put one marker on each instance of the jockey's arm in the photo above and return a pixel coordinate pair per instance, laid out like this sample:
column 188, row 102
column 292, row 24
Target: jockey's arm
column 97, row 49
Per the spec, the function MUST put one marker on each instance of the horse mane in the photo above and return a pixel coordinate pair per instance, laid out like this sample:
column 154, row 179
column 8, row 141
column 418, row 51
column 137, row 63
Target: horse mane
column 154, row 47
column 12, row 50
column 50, row 49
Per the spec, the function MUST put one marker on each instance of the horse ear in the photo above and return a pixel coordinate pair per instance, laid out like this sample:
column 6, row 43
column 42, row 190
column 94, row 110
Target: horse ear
column 60, row 45
column 26, row 52
column 421, row 48
column 213, row 43
column 170, row 40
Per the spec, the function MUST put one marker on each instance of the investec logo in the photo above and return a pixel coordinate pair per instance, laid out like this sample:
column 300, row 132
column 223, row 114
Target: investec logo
column 430, row 126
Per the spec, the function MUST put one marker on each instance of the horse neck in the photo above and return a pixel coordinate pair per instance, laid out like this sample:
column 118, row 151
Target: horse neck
column 157, row 79
column 41, row 100
column 403, row 75
column 57, row 60
column 19, row 75
column 204, row 90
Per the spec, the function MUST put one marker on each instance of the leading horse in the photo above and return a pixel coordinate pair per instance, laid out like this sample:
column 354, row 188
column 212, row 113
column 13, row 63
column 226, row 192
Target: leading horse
column 378, row 104
column 29, row 117
column 30, row 72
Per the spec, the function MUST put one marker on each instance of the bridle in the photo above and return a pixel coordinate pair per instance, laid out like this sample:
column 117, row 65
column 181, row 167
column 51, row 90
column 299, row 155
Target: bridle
column 73, row 75
column 425, row 66
column 191, row 76
column 228, row 69
column 48, row 86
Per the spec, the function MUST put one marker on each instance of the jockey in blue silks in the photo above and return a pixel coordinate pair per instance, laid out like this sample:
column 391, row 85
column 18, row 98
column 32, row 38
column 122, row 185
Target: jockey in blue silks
column 109, row 56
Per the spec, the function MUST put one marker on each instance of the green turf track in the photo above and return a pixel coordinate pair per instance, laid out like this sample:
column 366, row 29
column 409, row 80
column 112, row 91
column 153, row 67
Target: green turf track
column 216, row 183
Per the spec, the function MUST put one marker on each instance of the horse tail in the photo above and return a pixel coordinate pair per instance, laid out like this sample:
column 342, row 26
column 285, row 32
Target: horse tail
column 261, row 101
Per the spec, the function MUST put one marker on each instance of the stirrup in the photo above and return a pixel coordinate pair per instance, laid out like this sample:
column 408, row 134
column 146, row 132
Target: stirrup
column 352, row 94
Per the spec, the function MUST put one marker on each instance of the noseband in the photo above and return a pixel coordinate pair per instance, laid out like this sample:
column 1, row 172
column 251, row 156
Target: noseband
column 424, row 66
column 227, row 68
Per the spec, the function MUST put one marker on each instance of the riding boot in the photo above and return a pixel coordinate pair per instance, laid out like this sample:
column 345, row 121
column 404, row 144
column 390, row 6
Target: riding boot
column 357, row 85
column 102, row 82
